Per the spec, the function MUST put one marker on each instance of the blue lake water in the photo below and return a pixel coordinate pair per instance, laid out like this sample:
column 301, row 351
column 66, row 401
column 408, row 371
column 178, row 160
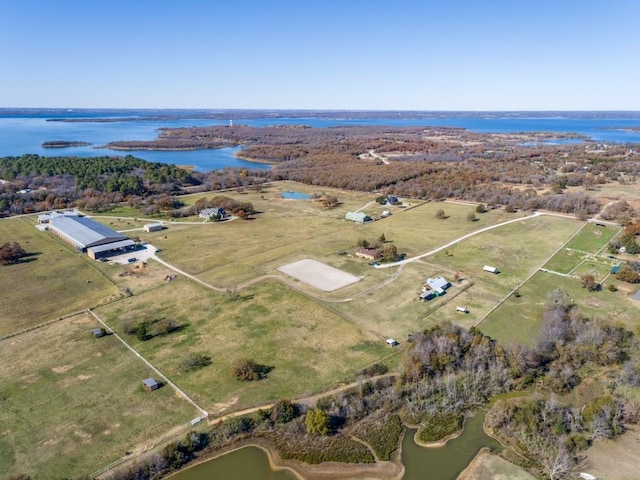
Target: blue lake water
column 24, row 133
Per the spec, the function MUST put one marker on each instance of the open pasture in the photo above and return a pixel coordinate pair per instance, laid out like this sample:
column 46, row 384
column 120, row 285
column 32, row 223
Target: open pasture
column 597, row 267
column 51, row 282
column 306, row 346
column 518, row 319
column 517, row 250
column 230, row 253
column 592, row 238
column 72, row 403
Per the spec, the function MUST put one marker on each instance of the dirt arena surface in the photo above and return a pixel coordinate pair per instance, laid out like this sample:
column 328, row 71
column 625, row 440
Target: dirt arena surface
column 318, row 275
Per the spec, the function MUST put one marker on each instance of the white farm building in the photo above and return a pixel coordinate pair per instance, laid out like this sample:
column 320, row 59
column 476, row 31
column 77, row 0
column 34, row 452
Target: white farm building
column 358, row 217
column 87, row 235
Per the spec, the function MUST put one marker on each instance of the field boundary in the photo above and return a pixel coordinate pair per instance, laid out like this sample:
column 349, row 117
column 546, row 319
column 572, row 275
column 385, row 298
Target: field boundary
column 40, row 325
column 178, row 390
column 529, row 277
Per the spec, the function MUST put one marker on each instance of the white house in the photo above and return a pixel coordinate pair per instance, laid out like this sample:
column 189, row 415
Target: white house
column 438, row 285
column 213, row 214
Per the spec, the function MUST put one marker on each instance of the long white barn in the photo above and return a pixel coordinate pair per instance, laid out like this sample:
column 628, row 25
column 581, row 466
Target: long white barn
column 87, row 235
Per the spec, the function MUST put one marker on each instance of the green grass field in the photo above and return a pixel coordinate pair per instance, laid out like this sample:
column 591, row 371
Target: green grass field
column 72, row 403
column 592, row 238
column 309, row 347
column 53, row 282
column 95, row 408
column 518, row 320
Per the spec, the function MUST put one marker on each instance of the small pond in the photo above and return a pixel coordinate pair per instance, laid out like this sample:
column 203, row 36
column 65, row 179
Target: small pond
column 291, row 195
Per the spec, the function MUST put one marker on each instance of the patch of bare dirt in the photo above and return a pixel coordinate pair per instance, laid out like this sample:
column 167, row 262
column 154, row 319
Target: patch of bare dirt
column 62, row 369
column 615, row 459
column 220, row 407
column 488, row 466
column 82, row 434
column 593, row 302
column 81, row 320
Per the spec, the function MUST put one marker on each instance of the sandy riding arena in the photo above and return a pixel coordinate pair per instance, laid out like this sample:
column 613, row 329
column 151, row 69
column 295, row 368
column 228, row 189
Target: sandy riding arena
column 319, row 275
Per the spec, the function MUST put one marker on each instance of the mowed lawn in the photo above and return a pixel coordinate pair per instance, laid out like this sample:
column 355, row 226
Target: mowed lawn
column 307, row 346
column 53, row 281
column 72, row 403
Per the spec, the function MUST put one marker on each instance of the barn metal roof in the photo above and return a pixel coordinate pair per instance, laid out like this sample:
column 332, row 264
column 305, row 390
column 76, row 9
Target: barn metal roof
column 85, row 232
column 112, row 246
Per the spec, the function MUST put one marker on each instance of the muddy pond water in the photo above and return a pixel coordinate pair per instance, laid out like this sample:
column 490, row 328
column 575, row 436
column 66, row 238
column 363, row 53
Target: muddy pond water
column 441, row 463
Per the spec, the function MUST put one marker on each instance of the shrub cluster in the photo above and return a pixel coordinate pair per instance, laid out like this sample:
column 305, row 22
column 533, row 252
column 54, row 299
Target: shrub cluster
column 382, row 432
column 437, row 427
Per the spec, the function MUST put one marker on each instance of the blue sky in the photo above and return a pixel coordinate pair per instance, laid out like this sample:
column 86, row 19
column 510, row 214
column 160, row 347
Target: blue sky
column 331, row 54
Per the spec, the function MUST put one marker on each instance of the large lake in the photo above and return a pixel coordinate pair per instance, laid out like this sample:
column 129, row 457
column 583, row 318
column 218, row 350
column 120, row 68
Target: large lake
column 24, row 133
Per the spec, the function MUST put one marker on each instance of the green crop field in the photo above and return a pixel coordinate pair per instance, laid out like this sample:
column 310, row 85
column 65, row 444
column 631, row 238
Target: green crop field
column 72, row 403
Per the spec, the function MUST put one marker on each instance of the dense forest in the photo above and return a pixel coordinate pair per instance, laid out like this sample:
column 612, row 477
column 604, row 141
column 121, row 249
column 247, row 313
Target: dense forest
column 521, row 171
column 528, row 171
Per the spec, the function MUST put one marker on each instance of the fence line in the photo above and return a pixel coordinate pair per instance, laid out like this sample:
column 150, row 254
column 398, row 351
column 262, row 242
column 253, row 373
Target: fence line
column 180, row 392
column 41, row 325
column 158, row 441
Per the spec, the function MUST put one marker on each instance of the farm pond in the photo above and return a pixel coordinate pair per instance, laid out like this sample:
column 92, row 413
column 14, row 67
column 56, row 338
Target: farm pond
column 434, row 463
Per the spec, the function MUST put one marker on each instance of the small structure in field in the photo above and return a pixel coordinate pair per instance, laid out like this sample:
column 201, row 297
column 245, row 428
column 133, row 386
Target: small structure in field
column 392, row 200
column 98, row 332
column 587, row 476
column 152, row 227
column 427, row 295
column 150, row 384
column 391, row 342
column 358, row 217
column 462, row 310
column 369, row 253
column 490, row 269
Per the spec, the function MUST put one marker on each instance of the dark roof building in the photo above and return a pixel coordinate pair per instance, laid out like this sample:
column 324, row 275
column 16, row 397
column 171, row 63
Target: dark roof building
column 150, row 384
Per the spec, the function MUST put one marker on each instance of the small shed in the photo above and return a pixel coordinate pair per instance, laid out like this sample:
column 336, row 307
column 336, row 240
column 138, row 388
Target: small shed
column 98, row 332
column 150, row 384
column 587, row 476
column 615, row 269
column 391, row 342
column 490, row 269
column 152, row 227
column 462, row 310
